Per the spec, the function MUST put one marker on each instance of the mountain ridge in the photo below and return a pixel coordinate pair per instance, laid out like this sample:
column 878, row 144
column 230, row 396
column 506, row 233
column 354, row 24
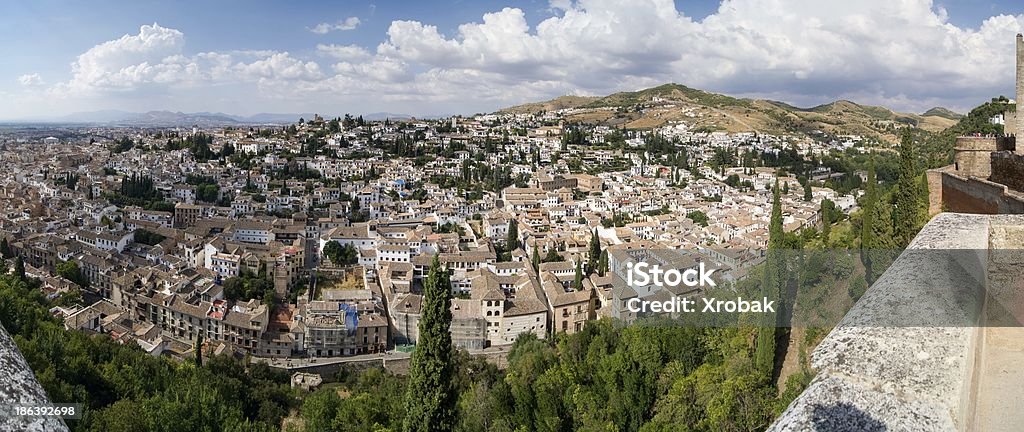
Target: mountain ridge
column 672, row 103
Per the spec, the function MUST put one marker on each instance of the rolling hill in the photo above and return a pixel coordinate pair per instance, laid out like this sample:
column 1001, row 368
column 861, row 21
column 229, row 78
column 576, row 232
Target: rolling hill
column 702, row 110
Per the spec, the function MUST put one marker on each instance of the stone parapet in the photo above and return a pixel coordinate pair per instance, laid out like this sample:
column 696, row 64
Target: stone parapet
column 874, row 376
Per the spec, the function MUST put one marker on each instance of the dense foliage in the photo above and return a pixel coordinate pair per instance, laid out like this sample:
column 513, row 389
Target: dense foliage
column 124, row 389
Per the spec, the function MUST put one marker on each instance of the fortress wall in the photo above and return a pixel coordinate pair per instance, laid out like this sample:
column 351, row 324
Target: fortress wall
column 1008, row 169
column 950, row 191
column 971, row 154
column 935, row 189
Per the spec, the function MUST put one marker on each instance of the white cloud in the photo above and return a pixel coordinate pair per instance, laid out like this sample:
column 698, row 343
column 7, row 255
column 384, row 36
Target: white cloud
column 31, row 80
column 806, row 49
column 349, row 23
column 902, row 53
column 343, row 52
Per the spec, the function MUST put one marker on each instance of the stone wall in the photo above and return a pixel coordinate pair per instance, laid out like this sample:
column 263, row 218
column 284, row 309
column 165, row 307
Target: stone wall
column 951, row 192
column 1008, row 169
column 972, row 155
column 877, row 376
column 18, row 385
column 934, row 178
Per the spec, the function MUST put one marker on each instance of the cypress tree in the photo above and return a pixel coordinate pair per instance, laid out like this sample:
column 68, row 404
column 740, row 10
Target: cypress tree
column 430, row 398
column 19, row 268
column 5, row 248
column 826, row 222
column 807, row 190
column 773, row 279
column 595, row 250
column 512, row 240
column 906, row 215
column 199, row 350
column 867, row 215
column 536, row 258
column 577, row 283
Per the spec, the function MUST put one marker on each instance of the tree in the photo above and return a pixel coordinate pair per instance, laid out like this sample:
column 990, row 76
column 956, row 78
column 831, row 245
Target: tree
column 807, row 190
column 907, row 217
column 332, row 250
column 5, row 248
column 199, row 350
column 602, row 263
column 19, row 268
column 431, row 397
column 552, row 256
column 594, row 251
column 512, row 239
column 535, row 258
column 577, row 283
column 319, row 410
column 828, row 210
column 69, row 270
column 698, row 217
column 867, row 210
column 772, row 283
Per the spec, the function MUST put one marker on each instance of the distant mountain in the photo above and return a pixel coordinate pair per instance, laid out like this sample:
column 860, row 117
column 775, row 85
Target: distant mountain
column 275, row 118
column 707, row 111
column 102, row 116
column 944, row 113
column 386, row 115
column 170, row 118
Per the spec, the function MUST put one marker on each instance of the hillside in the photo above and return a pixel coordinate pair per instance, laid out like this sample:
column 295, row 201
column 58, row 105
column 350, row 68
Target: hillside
column 702, row 110
column 559, row 103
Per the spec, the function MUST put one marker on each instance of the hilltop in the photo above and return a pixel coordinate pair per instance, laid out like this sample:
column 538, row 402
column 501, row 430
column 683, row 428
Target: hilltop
column 703, row 110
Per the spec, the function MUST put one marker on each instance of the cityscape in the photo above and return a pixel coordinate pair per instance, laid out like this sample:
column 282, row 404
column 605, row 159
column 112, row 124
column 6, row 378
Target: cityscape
column 180, row 253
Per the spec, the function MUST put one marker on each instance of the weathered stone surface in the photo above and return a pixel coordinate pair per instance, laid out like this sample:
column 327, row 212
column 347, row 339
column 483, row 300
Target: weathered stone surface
column 833, row 404
column 875, row 372
column 18, row 385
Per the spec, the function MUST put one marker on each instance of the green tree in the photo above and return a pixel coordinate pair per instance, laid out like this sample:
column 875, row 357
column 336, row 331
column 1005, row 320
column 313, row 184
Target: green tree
column 512, row 239
column 773, row 282
column 431, row 397
column 577, row 283
column 19, row 267
column 69, row 270
column 535, row 258
column 332, row 250
column 199, row 350
column 319, row 410
column 594, row 251
column 5, row 248
column 907, row 217
column 698, row 217
column 807, row 190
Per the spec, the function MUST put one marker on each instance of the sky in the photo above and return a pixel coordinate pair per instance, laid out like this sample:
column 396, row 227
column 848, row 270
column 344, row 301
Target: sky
column 443, row 57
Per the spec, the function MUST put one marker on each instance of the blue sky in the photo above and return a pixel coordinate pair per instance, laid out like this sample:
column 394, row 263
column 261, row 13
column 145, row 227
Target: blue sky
column 442, row 57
